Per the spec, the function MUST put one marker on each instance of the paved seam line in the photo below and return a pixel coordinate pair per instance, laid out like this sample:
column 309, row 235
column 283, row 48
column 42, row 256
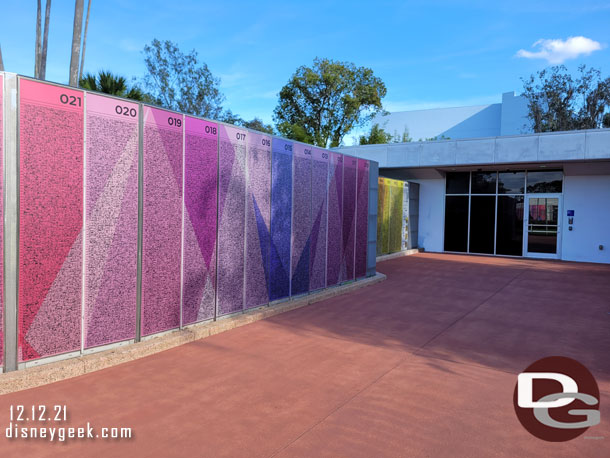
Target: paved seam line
column 340, row 406
column 469, row 312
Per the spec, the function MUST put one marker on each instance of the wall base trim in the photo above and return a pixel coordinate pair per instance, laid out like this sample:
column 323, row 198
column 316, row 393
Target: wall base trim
column 398, row 254
column 43, row 374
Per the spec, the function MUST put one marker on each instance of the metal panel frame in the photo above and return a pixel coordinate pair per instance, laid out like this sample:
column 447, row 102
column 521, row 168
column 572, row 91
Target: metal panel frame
column 11, row 219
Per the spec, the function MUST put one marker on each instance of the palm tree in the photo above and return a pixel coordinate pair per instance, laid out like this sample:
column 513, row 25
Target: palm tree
column 76, row 42
column 45, row 39
column 82, row 57
column 109, row 83
column 42, row 38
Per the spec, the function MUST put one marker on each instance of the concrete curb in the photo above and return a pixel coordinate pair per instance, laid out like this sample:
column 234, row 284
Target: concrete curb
column 61, row 370
column 398, row 254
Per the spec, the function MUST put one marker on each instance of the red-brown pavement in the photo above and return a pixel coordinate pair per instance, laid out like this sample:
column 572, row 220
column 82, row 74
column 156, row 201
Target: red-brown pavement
column 422, row 364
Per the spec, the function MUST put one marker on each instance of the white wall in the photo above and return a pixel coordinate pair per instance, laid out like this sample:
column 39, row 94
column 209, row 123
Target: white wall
column 514, row 115
column 431, row 214
column 589, row 197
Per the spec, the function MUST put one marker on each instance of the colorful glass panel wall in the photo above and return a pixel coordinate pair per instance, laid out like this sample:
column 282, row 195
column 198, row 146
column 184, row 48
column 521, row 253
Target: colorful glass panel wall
column 362, row 217
column 258, row 219
column 335, row 219
column 281, row 218
column 350, row 167
column 200, row 206
column 395, row 209
column 111, row 220
column 51, row 219
column 301, row 218
column 231, row 218
column 319, row 217
column 162, row 220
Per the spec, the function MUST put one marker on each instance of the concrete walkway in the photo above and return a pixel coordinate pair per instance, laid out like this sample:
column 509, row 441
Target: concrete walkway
column 423, row 364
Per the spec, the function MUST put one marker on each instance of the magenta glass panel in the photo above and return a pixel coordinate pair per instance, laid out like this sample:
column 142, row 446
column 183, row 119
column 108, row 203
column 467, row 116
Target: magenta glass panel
column 162, row 220
column 1, row 225
column 231, row 218
column 200, row 205
column 111, row 220
column 362, row 215
column 50, row 219
column 258, row 218
column 317, row 247
column 349, row 217
column 335, row 219
column 301, row 218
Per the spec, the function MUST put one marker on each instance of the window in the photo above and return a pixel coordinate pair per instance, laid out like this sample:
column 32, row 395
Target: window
column 458, row 183
column 484, row 211
column 483, row 182
column 547, row 181
column 511, row 182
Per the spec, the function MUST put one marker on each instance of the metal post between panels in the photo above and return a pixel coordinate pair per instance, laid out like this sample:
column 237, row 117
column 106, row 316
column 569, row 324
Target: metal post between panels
column 140, row 222
column 11, row 219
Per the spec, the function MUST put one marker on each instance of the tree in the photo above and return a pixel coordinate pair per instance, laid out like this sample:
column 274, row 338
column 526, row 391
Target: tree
column 45, row 41
column 256, row 124
column 76, row 42
column 112, row 84
column 557, row 101
column 376, row 136
column 606, row 119
column 322, row 103
column 259, row 125
column 180, row 82
column 82, row 58
column 38, row 43
column 1, row 61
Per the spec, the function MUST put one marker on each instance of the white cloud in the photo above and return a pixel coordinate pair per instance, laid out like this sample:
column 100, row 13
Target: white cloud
column 558, row 51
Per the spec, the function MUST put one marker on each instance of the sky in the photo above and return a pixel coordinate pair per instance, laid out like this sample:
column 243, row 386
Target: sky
column 429, row 54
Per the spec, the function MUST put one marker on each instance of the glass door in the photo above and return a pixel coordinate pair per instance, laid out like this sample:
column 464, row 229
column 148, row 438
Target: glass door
column 542, row 225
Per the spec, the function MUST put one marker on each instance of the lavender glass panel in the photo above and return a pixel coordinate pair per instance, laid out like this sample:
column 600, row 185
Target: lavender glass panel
column 162, row 220
column 349, row 217
column 281, row 218
column 362, row 216
column 200, row 184
column 258, row 219
column 301, row 218
column 111, row 220
column 231, row 218
column 319, row 186
column 335, row 219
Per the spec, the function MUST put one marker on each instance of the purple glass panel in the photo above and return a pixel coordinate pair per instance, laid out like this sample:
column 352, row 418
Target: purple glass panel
column 162, row 220
column 335, row 219
column 319, row 186
column 362, row 216
column 111, row 220
column 200, row 184
column 301, row 218
column 281, row 218
column 258, row 219
column 231, row 218
column 349, row 217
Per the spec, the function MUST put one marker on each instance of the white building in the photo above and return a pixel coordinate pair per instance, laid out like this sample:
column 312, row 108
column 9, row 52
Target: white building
column 506, row 118
column 536, row 195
